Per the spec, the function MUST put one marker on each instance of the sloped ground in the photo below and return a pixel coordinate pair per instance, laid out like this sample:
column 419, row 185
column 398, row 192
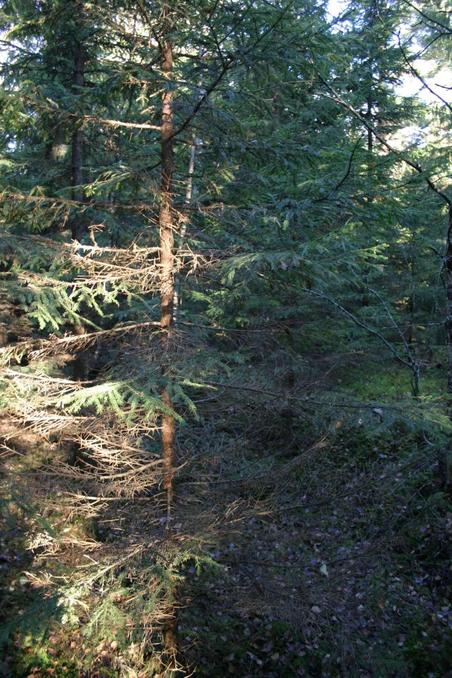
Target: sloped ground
column 343, row 570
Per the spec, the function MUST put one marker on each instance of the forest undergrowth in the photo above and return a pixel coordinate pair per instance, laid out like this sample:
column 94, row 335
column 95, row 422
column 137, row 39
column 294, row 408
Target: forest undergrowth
column 294, row 550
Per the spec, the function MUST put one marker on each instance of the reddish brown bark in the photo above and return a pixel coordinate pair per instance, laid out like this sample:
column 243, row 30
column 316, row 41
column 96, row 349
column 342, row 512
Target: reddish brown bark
column 167, row 260
column 167, row 290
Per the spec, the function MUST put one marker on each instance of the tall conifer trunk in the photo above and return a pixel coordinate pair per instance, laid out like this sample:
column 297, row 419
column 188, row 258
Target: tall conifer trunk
column 167, row 251
column 167, row 292
column 449, row 301
column 77, row 226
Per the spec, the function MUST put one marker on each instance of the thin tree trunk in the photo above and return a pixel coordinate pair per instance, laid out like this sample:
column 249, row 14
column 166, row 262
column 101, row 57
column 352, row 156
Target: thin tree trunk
column 448, row 267
column 445, row 458
column 167, row 290
column 183, row 220
column 167, row 258
column 189, row 188
column 368, row 115
column 78, row 227
column 370, row 149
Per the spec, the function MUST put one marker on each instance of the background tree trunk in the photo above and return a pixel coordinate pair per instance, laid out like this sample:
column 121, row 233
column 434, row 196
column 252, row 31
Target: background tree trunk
column 78, row 226
column 449, row 301
column 183, row 222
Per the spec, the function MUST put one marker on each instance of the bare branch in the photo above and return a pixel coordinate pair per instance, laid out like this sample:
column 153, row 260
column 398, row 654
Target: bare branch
column 335, row 96
column 428, row 18
column 417, row 75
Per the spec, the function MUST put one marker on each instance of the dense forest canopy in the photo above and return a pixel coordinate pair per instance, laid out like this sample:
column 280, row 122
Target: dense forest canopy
column 226, row 337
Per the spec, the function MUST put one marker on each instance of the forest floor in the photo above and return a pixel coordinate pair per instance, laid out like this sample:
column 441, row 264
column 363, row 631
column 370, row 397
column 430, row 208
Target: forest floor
column 343, row 569
column 329, row 558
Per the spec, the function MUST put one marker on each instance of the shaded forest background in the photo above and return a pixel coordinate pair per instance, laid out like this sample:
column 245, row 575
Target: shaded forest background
column 226, row 338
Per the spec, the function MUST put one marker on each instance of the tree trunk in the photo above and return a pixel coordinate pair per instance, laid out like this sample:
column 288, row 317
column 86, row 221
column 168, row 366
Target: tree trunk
column 368, row 115
column 78, row 226
column 449, row 302
column 167, row 290
column 445, row 458
column 167, row 258
column 370, row 149
column 183, row 221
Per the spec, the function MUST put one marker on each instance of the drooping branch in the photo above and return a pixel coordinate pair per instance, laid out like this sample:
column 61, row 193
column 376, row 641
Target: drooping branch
column 36, row 349
column 417, row 75
column 408, row 362
column 429, row 18
column 346, row 175
column 335, row 96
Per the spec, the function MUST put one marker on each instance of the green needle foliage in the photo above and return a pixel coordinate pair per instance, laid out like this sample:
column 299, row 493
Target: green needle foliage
column 307, row 197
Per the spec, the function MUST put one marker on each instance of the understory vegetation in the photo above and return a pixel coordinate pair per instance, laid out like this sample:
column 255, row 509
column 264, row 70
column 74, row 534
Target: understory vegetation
column 225, row 338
